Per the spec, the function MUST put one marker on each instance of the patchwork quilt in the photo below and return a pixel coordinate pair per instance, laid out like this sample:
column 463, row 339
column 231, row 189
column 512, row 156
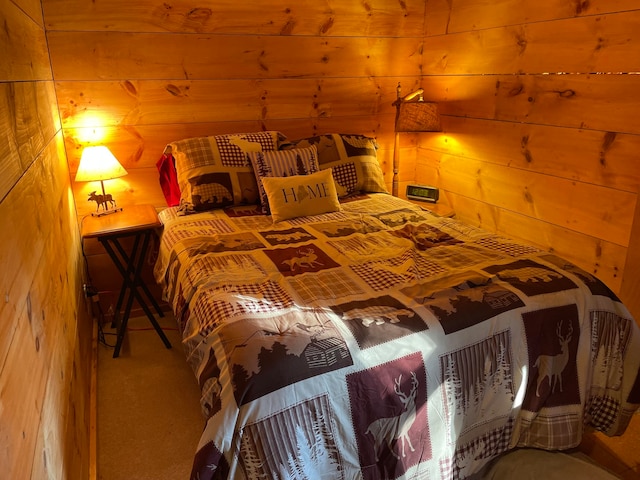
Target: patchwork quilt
column 383, row 342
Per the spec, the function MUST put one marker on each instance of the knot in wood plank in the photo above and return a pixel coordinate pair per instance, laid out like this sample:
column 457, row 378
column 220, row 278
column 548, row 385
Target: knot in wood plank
column 199, row 14
column 568, row 93
column 130, row 88
column 288, row 27
column 326, row 26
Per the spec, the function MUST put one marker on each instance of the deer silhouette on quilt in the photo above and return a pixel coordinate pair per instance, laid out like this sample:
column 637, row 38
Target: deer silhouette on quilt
column 552, row 366
column 377, row 314
column 307, row 259
column 393, row 428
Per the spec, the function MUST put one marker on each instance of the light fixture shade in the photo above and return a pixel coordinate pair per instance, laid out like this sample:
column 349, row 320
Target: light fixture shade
column 418, row 117
column 98, row 163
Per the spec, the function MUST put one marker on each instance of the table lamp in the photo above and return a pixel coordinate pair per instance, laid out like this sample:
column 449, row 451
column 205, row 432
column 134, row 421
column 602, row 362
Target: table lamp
column 98, row 163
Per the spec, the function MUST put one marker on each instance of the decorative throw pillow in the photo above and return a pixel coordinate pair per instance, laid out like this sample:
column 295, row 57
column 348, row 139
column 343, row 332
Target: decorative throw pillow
column 301, row 195
column 214, row 172
column 283, row 163
column 168, row 179
column 352, row 159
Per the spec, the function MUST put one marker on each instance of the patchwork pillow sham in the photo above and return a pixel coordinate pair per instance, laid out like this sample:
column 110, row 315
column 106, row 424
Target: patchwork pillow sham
column 215, row 172
column 283, row 163
column 301, row 195
column 352, row 159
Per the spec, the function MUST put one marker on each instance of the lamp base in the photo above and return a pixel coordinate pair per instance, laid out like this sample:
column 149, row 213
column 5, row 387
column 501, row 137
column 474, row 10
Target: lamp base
column 106, row 212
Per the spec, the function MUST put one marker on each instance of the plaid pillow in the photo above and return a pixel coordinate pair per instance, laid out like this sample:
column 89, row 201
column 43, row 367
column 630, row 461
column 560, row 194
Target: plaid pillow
column 214, row 172
column 352, row 159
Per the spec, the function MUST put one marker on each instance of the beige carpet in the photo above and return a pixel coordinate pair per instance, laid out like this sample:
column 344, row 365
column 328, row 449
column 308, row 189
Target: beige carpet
column 531, row 464
column 148, row 409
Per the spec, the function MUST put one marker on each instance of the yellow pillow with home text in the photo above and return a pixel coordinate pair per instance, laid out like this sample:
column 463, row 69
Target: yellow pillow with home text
column 301, row 195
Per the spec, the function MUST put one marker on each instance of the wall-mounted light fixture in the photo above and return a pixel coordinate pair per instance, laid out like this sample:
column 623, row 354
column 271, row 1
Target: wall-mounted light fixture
column 99, row 164
column 413, row 114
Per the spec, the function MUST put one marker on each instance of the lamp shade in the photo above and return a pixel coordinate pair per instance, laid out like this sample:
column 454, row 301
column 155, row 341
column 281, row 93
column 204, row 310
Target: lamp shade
column 418, row 117
column 98, row 163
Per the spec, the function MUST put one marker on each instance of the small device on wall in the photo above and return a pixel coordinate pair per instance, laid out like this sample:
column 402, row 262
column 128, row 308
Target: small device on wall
column 423, row 193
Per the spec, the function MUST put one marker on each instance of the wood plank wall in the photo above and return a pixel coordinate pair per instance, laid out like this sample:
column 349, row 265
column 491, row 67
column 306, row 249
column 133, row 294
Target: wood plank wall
column 45, row 333
column 541, row 133
column 138, row 75
column 146, row 73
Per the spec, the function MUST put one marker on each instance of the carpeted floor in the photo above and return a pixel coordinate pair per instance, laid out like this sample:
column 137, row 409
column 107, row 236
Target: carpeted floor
column 147, row 427
column 531, row 464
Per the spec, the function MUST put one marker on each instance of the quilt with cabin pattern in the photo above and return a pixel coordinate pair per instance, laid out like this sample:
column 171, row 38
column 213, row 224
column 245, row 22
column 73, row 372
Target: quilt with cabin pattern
column 383, row 342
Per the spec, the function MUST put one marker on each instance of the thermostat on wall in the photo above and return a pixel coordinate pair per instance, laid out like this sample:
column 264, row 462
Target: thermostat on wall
column 423, row 193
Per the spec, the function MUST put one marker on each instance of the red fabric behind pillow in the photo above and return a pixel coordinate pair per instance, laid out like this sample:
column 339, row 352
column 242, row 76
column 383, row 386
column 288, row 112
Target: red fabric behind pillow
column 169, row 179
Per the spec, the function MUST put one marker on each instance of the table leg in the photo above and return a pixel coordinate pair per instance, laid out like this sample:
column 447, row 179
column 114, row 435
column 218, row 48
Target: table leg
column 130, row 272
column 130, row 267
column 129, row 262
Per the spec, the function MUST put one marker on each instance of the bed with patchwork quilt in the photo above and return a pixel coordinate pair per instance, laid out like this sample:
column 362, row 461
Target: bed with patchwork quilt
column 374, row 340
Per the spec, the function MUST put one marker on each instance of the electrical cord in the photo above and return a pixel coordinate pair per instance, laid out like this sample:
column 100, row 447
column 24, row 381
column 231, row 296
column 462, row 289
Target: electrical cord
column 92, row 293
column 102, row 335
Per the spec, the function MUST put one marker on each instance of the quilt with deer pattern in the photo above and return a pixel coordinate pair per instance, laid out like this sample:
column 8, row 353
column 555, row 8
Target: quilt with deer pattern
column 383, row 342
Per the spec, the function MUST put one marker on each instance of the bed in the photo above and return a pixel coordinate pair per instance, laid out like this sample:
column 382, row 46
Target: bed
column 360, row 336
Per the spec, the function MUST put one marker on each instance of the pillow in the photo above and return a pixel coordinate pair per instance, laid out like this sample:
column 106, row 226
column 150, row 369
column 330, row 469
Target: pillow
column 284, row 163
column 301, row 195
column 352, row 159
column 168, row 179
column 214, row 171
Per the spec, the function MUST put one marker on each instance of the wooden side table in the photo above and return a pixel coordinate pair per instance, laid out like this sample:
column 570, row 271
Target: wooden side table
column 438, row 209
column 138, row 222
